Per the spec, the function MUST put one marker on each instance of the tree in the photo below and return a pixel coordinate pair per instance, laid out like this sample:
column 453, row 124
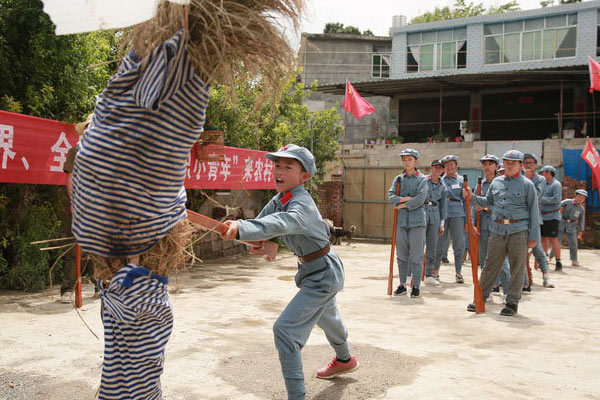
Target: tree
column 52, row 77
column 272, row 124
column 547, row 3
column 45, row 75
column 336, row 27
column 461, row 9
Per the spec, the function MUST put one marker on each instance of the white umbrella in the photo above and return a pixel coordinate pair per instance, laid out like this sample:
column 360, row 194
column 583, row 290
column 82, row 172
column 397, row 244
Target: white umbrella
column 76, row 16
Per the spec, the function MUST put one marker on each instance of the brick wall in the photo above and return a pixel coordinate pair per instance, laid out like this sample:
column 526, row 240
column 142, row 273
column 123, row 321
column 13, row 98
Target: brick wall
column 330, row 195
column 591, row 234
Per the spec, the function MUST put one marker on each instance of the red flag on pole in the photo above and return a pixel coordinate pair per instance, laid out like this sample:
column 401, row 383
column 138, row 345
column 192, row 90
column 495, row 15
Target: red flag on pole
column 591, row 157
column 355, row 104
column 594, row 75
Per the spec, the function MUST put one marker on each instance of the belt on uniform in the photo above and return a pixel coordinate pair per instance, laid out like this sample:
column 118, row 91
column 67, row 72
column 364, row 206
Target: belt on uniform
column 570, row 220
column 457, row 200
column 550, row 212
column 430, row 203
column 507, row 221
column 314, row 255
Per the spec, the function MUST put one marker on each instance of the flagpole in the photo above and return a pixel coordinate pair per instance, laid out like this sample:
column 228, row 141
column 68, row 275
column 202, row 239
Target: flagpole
column 594, row 110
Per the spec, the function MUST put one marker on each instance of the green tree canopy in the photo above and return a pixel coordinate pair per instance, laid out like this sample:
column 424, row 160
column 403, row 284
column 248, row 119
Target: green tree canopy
column 271, row 125
column 336, row 27
column 546, row 3
column 46, row 75
column 461, row 9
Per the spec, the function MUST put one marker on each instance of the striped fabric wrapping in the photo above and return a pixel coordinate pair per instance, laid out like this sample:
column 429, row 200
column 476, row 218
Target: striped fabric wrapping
column 130, row 168
column 137, row 324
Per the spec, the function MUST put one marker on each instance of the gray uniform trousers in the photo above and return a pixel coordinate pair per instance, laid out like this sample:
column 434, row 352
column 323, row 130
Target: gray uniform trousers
column 432, row 238
column 454, row 228
column 515, row 246
column 313, row 305
column 410, row 244
column 572, row 239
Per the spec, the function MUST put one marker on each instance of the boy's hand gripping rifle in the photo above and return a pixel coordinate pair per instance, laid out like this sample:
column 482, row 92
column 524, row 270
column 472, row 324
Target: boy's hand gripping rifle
column 269, row 248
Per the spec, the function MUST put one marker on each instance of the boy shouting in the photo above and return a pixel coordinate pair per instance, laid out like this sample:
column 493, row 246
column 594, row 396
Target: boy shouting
column 293, row 215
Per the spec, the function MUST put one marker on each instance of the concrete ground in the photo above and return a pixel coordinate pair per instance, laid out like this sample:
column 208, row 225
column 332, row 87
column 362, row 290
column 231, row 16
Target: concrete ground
column 425, row 348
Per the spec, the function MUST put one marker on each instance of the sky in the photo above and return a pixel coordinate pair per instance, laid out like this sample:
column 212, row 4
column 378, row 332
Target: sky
column 376, row 15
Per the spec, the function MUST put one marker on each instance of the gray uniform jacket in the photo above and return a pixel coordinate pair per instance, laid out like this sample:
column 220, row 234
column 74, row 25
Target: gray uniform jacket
column 484, row 216
column 414, row 186
column 512, row 197
column 456, row 201
column 436, row 194
column 550, row 200
column 295, row 218
column 539, row 182
column 573, row 217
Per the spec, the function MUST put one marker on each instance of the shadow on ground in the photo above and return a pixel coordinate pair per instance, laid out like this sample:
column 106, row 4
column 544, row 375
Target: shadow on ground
column 257, row 371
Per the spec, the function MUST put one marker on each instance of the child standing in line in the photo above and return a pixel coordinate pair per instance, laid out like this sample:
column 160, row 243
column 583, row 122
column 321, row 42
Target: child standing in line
column 573, row 222
column 436, row 208
column 412, row 221
column 293, row 216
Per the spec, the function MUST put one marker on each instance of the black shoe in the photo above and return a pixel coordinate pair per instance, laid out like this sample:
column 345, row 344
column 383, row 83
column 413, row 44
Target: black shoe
column 459, row 278
column 527, row 289
column 496, row 289
column 415, row 292
column 400, row 291
column 471, row 307
column 558, row 266
column 445, row 260
column 509, row 310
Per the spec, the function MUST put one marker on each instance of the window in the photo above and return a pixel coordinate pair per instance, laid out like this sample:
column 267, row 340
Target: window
column 533, row 39
column 381, row 62
column 436, row 50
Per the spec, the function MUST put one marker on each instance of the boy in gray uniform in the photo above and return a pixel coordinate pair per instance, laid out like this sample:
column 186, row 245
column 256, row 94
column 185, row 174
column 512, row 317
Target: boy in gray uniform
column 550, row 206
column 529, row 166
column 436, row 208
column 573, row 222
column 293, row 216
column 455, row 221
column 410, row 230
column 514, row 227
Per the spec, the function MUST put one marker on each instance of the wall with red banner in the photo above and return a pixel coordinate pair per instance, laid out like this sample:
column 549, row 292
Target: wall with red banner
column 33, row 150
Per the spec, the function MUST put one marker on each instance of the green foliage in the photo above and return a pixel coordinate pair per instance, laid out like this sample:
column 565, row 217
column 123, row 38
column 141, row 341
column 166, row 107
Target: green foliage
column 461, row 9
column 267, row 125
column 27, row 267
column 547, row 3
column 47, row 75
column 336, row 27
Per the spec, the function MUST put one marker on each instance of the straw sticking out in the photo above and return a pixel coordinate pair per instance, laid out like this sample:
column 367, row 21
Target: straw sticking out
column 227, row 38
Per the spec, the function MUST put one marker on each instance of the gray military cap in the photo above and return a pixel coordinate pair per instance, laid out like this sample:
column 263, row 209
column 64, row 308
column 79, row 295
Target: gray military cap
column 409, row 152
column 514, row 155
column 297, row 152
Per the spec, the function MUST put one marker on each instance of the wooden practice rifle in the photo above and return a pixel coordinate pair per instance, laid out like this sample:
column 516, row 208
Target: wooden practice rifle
column 474, row 248
column 391, row 272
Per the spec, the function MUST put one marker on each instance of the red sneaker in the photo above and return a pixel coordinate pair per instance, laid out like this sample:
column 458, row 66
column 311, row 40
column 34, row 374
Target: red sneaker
column 335, row 368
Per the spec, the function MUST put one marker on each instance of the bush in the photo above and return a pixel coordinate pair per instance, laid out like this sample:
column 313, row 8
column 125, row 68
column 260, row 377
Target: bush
column 30, row 270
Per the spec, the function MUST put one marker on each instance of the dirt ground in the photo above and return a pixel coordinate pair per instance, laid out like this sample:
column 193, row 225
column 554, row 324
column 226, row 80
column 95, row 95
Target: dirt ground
column 222, row 346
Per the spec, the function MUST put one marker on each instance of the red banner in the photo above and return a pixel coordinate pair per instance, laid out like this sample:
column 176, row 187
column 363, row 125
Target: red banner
column 33, row 150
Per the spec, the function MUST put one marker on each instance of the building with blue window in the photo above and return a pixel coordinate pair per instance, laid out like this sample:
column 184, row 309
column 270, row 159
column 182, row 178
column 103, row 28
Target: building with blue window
column 518, row 75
